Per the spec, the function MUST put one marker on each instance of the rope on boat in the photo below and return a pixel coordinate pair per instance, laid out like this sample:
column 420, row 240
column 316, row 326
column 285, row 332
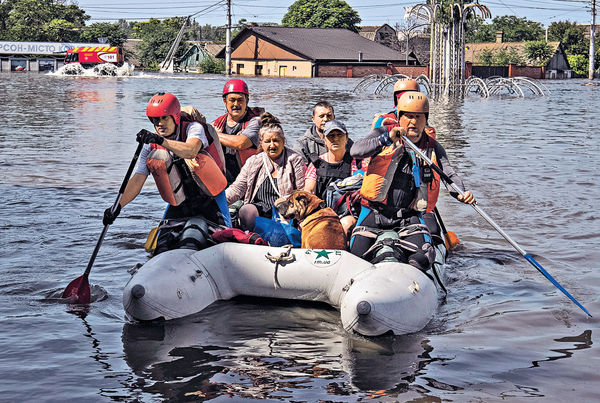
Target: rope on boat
column 284, row 256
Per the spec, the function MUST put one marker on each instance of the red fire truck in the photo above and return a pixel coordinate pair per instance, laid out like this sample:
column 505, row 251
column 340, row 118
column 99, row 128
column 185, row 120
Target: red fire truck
column 92, row 55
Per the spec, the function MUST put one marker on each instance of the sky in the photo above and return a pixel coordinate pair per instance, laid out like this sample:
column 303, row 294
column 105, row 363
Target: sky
column 372, row 12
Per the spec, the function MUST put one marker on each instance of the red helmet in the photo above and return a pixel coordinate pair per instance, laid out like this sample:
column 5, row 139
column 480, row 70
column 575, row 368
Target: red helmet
column 235, row 85
column 164, row 104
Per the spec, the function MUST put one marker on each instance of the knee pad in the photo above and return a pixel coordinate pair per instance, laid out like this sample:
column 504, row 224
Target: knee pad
column 424, row 258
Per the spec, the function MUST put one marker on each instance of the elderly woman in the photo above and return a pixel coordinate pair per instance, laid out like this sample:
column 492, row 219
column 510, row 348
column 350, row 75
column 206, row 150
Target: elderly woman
column 265, row 177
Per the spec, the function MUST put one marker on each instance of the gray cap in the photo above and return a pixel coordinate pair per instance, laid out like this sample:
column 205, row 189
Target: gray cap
column 334, row 125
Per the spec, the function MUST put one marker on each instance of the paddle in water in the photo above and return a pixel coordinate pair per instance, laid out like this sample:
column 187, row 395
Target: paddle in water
column 78, row 290
column 526, row 255
column 450, row 238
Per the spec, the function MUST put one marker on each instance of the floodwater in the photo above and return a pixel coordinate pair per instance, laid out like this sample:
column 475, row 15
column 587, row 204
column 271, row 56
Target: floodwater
column 504, row 333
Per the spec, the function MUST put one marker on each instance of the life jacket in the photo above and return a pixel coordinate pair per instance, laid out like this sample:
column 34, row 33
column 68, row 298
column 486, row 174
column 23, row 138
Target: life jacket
column 178, row 179
column 221, row 121
column 382, row 169
column 331, row 172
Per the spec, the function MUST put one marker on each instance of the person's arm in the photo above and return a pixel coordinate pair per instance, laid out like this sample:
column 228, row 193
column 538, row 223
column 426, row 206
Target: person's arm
column 133, row 188
column 246, row 139
column 370, row 145
column 444, row 163
column 237, row 190
column 310, row 179
column 188, row 150
column 237, row 141
column 299, row 168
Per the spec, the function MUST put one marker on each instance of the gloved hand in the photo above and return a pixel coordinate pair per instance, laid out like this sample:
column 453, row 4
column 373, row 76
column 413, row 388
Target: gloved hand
column 109, row 217
column 145, row 136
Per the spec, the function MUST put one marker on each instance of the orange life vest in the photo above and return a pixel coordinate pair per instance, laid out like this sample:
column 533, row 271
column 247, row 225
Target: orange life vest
column 382, row 168
column 207, row 173
column 241, row 155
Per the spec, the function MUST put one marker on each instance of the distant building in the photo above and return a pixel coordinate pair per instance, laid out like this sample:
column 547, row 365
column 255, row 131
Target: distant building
column 310, row 52
column 556, row 67
column 383, row 34
column 192, row 58
column 36, row 56
column 586, row 30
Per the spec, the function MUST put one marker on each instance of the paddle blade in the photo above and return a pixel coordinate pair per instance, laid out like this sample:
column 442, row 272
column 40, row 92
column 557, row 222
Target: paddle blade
column 150, row 244
column 452, row 240
column 78, row 291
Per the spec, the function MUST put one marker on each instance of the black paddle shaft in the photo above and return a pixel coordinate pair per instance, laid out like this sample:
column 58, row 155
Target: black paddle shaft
column 136, row 155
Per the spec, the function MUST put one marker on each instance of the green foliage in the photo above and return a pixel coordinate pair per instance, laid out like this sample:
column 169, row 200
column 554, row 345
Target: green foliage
column 570, row 35
column 501, row 57
column 514, row 29
column 485, row 57
column 157, row 37
column 40, row 20
column 579, row 64
column 321, row 14
column 538, row 52
column 113, row 32
column 210, row 65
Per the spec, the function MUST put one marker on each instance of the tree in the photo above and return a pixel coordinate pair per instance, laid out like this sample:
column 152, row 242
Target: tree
column 579, row 64
column 514, row 29
column 485, row 57
column 321, row 14
column 538, row 52
column 210, row 65
column 113, row 32
column 41, row 20
column 157, row 37
column 570, row 35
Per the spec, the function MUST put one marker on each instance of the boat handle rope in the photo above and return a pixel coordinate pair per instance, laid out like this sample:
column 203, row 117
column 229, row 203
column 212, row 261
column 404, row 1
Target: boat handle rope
column 284, row 256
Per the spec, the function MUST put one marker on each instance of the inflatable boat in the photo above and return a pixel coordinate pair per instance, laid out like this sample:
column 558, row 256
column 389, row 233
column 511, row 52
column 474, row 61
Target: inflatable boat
column 372, row 299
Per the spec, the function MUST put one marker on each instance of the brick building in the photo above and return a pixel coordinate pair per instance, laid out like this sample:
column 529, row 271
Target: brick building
column 311, row 52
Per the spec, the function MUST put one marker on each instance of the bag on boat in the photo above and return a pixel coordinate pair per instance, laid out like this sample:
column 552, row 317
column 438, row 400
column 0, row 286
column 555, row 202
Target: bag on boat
column 276, row 232
column 239, row 236
column 342, row 195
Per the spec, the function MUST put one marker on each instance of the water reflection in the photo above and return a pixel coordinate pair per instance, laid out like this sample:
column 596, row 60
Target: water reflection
column 246, row 349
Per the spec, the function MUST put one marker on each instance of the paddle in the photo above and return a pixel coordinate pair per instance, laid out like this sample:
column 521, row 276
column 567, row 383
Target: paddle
column 78, row 290
column 526, row 255
column 450, row 238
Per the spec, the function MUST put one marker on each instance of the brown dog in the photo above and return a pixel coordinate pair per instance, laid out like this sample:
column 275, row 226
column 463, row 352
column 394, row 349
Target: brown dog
column 321, row 227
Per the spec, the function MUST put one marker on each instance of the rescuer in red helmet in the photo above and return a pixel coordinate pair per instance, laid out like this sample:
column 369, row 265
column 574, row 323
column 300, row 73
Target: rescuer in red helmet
column 173, row 155
column 238, row 128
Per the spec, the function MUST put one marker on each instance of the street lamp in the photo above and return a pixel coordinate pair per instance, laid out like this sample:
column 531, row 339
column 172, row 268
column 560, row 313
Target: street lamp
column 407, row 31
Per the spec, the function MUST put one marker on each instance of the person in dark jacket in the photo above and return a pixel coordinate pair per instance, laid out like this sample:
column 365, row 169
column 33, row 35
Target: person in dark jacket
column 312, row 144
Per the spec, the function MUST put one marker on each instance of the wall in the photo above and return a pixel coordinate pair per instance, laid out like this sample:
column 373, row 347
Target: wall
column 525, row 71
column 363, row 69
column 272, row 68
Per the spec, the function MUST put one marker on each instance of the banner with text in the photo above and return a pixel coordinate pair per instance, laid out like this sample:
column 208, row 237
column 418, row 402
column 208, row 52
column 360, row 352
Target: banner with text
column 40, row 48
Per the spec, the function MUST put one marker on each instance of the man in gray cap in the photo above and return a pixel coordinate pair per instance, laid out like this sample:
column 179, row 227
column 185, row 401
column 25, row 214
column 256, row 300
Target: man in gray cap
column 312, row 143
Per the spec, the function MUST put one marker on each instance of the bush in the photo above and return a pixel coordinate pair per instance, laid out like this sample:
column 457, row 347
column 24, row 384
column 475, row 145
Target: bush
column 579, row 64
column 210, row 65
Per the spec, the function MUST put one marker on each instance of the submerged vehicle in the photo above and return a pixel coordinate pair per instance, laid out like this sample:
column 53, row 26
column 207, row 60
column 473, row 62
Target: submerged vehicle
column 373, row 299
column 90, row 56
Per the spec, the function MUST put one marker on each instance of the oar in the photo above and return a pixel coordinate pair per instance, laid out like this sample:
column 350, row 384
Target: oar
column 78, row 290
column 450, row 237
column 526, row 255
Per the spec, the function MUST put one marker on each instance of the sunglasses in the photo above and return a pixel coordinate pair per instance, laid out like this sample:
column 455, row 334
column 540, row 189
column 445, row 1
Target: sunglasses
column 156, row 119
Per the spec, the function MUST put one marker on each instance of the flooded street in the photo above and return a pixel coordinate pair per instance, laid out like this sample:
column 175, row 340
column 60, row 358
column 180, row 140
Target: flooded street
column 504, row 333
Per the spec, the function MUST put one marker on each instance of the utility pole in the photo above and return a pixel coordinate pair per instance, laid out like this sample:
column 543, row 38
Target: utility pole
column 592, row 42
column 228, row 41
